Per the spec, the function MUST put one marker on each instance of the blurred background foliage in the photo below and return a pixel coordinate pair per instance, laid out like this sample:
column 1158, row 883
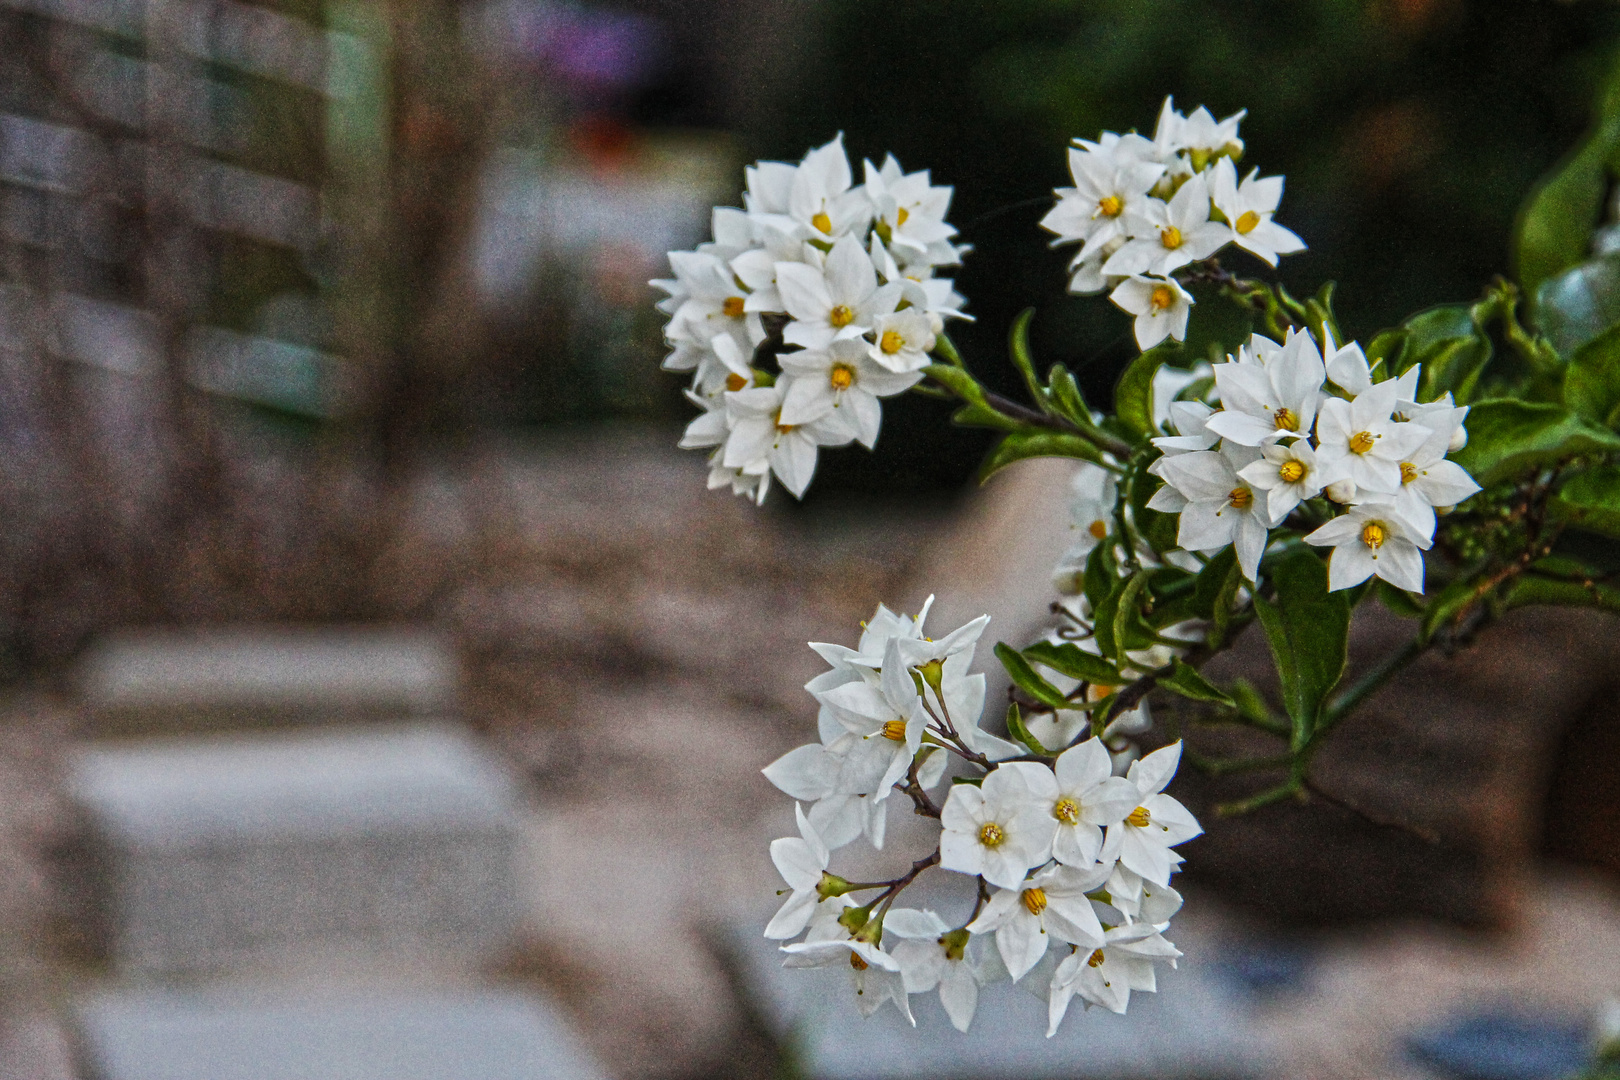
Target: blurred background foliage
column 1409, row 132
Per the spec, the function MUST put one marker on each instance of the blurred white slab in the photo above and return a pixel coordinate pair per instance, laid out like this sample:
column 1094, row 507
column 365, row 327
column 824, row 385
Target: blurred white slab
column 225, row 852
column 457, row 1036
column 276, row 669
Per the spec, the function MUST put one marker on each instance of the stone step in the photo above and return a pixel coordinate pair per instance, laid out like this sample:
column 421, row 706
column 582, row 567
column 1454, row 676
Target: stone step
column 216, row 853
column 249, row 674
column 465, row 1035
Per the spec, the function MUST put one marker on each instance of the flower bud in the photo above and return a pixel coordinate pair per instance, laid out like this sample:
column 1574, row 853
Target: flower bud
column 855, row 918
column 1459, row 439
column 955, row 942
column 1341, row 491
column 871, row 932
column 831, row 885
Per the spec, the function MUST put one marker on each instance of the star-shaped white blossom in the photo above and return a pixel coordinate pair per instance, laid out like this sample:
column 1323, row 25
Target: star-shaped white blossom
column 1159, row 822
column 1002, row 828
column 1051, row 905
column 1373, row 538
column 1217, row 506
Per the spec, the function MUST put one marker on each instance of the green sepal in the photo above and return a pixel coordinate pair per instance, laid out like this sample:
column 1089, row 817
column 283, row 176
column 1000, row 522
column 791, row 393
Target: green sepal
column 1076, row 663
column 1186, row 681
column 1308, row 629
column 1029, row 680
column 1016, row 728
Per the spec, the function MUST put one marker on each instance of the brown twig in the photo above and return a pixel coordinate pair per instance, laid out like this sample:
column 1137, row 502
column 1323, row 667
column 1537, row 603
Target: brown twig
column 1428, row 836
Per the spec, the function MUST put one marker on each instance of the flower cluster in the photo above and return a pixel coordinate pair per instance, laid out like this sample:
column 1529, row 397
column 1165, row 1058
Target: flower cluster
column 1296, row 422
column 1072, row 862
column 836, row 283
column 1142, row 209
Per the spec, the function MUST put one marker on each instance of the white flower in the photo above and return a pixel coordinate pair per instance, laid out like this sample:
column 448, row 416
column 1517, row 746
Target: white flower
column 1277, row 399
column 1248, row 208
column 931, row 955
column 1000, row 829
column 839, row 300
column 1199, row 135
column 884, row 725
column 1438, row 415
column 1108, row 181
column 711, row 301
column 1220, row 508
column 1190, row 422
column 1106, row 976
column 909, row 209
column 958, row 697
column 1168, row 236
column 759, row 438
column 1429, row 480
column 1168, row 382
column 801, row 860
column 1287, row 474
column 1144, row 839
column 1373, row 538
column 1089, row 799
column 1140, row 900
column 903, row 339
column 840, row 808
column 1161, row 307
column 1092, row 495
column 1052, row 904
column 874, row 973
column 820, row 201
column 841, row 383
column 1357, row 440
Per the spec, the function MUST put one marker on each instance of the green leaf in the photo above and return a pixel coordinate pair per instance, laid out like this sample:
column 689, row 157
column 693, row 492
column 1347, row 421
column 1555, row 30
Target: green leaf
column 1445, row 605
column 1018, row 349
column 1508, row 438
column 1308, row 629
column 1036, row 442
column 1016, row 728
column 1532, row 589
column 1066, row 396
column 1076, row 663
column 1449, row 345
column 1592, row 381
column 1387, row 347
column 1186, row 681
column 1398, row 601
column 1133, row 396
column 1554, row 226
column 1578, row 305
column 1590, row 500
column 1126, row 614
column 1028, row 680
column 1158, row 529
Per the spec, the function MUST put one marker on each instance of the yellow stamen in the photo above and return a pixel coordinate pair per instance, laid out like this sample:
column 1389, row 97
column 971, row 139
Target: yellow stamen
column 1285, row 420
column 990, row 834
column 894, row 729
column 1034, row 901
column 1170, row 237
column 1110, row 206
column 900, row 216
column 891, row 342
column 1247, row 221
column 1161, row 297
column 1241, row 498
column 1361, row 442
column 841, row 377
column 856, row 962
column 1066, row 811
column 733, row 307
column 841, row 316
column 1139, row 817
column 1373, row 535
column 1291, row 471
column 1095, row 959
column 1098, row 529
column 822, row 222
column 735, row 381
column 1408, row 472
